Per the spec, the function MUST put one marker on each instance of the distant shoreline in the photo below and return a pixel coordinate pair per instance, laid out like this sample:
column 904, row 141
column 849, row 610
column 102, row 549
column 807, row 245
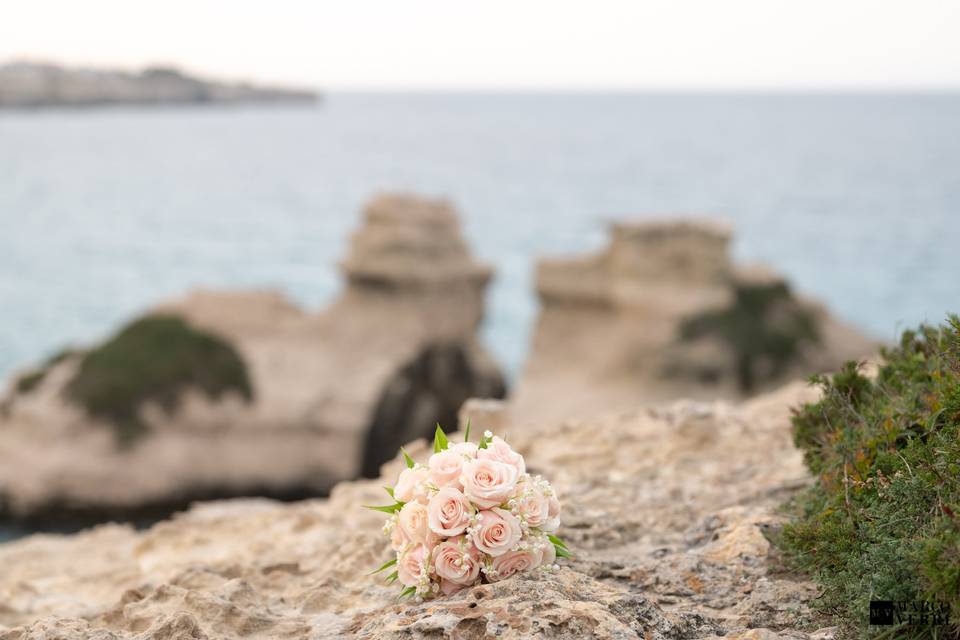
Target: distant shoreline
column 28, row 86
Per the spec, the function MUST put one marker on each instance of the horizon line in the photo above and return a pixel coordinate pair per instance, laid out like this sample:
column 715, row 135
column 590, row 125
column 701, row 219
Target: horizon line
column 513, row 87
column 644, row 89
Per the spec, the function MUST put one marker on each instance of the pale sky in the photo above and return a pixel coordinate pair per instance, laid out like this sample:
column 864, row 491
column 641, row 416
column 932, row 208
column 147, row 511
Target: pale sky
column 507, row 44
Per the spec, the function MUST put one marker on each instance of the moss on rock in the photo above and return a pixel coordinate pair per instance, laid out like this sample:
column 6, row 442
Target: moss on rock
column 154, row 359
column 30, row 380
column 764, row 325
column 883, row 521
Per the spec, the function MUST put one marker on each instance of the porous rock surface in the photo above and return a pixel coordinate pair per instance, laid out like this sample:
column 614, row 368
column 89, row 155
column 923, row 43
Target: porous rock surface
column 667, row 511
column 396, row 352
column 608, row 332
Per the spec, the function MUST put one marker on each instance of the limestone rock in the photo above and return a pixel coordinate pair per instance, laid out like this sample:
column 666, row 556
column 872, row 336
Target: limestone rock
column 664, row 508
column 407, row 241
column 482, row 415
column 609, row 330
column 335, row 392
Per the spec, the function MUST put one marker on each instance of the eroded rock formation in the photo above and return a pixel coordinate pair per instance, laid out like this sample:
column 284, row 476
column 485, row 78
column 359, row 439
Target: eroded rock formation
column 667, row 510
column 611, row 327
column 332, row 392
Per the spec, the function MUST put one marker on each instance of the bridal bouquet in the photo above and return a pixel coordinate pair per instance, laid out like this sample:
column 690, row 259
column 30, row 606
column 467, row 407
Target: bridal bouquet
column 472, row 514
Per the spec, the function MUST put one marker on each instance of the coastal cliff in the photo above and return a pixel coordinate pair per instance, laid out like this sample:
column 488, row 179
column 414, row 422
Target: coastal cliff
column 28, row 85
column 667, row 511
column 663, row 313
column 143, row 422
column 670, row 506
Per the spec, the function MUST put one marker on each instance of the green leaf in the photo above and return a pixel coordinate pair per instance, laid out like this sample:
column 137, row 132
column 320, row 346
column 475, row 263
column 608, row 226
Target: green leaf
column 440, row 441
column 484, row 441
column 407, row 458
column 557, row 542
column 409, row 591
column 389, row 491
column 387, row 508
column 561, row 552
column 386, row 565
column 390, row 579
column 932, row 421
column 466, row 436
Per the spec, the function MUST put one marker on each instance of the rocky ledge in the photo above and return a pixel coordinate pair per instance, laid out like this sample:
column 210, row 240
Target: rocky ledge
column 667, row 510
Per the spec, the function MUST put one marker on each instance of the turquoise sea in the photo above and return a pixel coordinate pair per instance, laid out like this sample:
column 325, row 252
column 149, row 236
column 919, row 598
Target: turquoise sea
column 104, row 212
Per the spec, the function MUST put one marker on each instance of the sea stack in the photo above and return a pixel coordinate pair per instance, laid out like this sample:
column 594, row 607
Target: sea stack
column 321, row 397
column 663, row 312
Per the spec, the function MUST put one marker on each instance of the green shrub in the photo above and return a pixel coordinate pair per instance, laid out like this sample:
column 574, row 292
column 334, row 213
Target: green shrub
column 30, row 380
column 883, row 520
column 154, row 359
column 764, row 324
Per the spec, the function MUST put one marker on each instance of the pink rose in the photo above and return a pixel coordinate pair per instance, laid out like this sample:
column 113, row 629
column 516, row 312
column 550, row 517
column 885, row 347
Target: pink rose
column 553, row 515
column 499, row 450
column 488, row 483
column 445, row 468
column 554, row 506
column 414, row 521
column 457, row 561
column 496, row 531
column 411, row 565
column 449, row 588
column 408, row 485
column 513, row 562
column 449, row 512
column 549, row 555
column 398, row 539
column 534, row 507
column 468, row 449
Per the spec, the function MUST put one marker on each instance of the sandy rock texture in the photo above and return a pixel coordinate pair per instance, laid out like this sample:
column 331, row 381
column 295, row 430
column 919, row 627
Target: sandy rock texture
column 668, row 512
column 608, row 330
column 335, row 392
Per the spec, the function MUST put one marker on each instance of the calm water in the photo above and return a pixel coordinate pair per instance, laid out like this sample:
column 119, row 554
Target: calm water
column 102, row 213
column 9, row 532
